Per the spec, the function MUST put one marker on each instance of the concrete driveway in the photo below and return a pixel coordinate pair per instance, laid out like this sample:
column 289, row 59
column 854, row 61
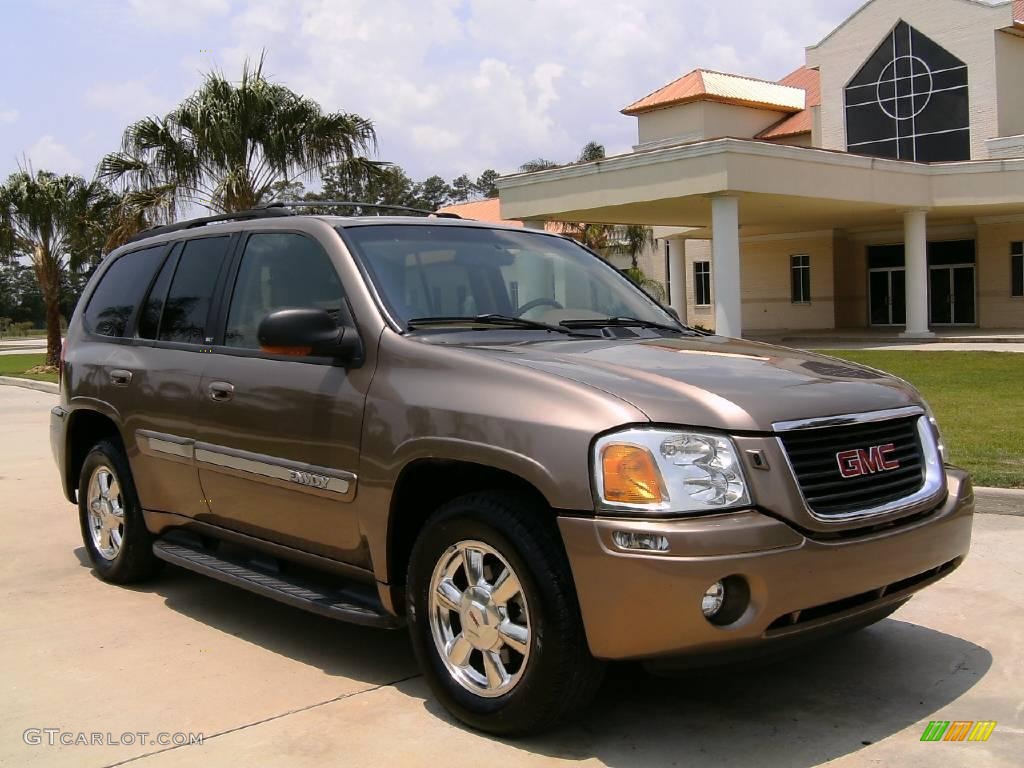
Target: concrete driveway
column 269, row 685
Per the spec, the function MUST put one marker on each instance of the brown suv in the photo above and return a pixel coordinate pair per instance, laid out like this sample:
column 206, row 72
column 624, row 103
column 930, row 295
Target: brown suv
column 492, row 436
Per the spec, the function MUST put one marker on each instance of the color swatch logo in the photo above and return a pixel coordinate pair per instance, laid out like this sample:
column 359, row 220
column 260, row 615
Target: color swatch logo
column 958, row 730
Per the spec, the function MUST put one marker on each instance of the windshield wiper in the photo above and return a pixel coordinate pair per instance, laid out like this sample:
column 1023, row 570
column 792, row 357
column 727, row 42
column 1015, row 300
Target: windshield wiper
column 489, row 319
column 604, row 322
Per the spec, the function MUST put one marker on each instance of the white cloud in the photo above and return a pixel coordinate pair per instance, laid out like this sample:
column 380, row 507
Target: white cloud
column 47, row 154
column 127, row 100
column 8, row 116
column 178, row 14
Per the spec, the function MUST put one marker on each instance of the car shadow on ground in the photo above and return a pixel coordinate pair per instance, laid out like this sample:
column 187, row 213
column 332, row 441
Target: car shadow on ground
column 373, row 656
column 832, row 699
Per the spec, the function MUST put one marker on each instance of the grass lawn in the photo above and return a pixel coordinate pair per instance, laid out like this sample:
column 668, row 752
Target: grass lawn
column 16, row 365
column 976, row 397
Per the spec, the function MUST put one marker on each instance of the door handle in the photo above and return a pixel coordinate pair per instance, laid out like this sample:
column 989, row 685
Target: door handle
column 119, row 377
column 221, row 391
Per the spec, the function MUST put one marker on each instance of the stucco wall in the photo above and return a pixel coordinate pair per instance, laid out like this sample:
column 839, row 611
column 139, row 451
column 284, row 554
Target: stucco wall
column 850, row 280
column 698, row 250
column 966, row 29
column 766, row 284
column 704, row 120
column 1010, row 83
column 996, row 308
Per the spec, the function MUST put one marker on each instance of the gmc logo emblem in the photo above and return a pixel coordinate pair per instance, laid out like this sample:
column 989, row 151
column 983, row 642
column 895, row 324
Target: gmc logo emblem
column 859, row 461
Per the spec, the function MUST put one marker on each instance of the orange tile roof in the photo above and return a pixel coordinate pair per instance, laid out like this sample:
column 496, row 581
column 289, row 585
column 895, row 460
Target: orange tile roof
column 1018, row 12
column 488, row 209
column 707, row 85
column 801, row 122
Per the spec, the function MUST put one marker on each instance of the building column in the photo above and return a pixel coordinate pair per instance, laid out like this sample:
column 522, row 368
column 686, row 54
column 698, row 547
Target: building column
column 677, row 276
column 725, row 260
column 915, row 248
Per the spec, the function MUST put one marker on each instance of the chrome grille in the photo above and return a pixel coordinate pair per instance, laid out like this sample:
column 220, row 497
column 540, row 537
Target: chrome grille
column 812, row 454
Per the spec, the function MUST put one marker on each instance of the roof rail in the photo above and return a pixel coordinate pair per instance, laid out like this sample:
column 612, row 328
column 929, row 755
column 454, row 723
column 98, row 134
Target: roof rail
column 254, row 213
column 354, row 204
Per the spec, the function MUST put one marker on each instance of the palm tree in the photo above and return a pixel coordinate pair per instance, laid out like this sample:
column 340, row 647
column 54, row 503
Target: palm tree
column 58, row 223
column 227, row 145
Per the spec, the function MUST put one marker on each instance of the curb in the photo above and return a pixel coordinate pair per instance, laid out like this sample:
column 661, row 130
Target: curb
column 1001, row 501
column 39, row 386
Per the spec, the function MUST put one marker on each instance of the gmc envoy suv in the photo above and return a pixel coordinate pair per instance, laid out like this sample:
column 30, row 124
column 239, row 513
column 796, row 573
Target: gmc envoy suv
column 489, row 435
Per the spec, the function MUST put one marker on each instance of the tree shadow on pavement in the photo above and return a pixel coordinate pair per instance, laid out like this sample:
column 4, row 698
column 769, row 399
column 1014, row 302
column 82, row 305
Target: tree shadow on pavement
column 831, row 700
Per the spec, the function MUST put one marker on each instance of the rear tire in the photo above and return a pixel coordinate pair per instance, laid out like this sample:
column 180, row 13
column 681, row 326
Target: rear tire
column 113, row 530
column 505, row 653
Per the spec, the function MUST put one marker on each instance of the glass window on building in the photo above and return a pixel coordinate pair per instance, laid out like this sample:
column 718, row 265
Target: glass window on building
column 800, row 278
column 702, row 283
column 1017, row 268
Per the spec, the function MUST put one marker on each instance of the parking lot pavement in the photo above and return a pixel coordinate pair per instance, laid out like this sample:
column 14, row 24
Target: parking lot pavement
column 269, row 685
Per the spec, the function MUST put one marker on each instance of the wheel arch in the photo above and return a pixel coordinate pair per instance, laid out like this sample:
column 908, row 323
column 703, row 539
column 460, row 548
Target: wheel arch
column 425, row 484
column 86, row 427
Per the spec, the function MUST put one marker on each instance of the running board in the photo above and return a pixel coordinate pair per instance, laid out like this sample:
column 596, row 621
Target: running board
column 332, row 603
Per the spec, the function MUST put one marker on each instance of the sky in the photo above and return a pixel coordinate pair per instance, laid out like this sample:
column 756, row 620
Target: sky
column 452, row 86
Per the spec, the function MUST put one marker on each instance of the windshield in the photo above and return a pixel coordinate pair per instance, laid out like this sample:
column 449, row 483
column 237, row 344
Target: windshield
column 427, row 271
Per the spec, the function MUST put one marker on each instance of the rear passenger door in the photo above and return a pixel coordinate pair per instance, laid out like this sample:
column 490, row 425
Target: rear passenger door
column 171, row 350
column 279, row 436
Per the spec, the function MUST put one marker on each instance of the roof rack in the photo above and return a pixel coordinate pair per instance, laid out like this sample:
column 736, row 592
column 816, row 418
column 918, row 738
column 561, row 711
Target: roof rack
column 254, row 213
column 280, row 208
column 354, row 204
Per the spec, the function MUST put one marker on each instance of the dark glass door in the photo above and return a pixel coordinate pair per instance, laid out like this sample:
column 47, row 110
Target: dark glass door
column 898, row 292
column 940, row 294
column 951, row 295
column 887, row 296
column 879, row 297
column 963, row 295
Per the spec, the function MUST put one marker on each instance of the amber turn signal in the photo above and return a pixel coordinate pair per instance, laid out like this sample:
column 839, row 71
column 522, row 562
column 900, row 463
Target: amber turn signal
column 630, row 475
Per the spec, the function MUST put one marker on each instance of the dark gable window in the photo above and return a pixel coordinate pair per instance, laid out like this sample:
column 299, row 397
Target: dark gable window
column 1017, row 269
column 800, row 282
column 909, row 101
column 120, row 290
column 702, row 283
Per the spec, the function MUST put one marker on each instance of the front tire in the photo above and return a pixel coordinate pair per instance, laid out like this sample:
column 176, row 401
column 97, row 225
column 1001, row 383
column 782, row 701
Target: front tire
column 493, row 616
column 115, row 535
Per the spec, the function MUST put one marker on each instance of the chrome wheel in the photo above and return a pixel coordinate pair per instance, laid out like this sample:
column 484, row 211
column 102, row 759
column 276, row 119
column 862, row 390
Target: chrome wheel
column 105, row 505
column 479, row 618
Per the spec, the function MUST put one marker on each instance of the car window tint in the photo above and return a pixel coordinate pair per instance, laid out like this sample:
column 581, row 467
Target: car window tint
column 120, row 290
column 280, row 271
column 188, row 300
column 149, row 318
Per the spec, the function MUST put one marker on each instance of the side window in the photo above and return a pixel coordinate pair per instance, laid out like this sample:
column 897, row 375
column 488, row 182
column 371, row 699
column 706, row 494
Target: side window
column 800, row 278
column 120, row 290
column 188, row 300
column 149, row 318
column 702, row 283
column 280, row 271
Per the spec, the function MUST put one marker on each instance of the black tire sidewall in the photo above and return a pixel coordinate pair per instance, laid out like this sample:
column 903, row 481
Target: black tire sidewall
column 522, row 708
column 135, row 559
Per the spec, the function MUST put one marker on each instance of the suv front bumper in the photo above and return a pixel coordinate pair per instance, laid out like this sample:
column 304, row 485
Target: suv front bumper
column 645, row 604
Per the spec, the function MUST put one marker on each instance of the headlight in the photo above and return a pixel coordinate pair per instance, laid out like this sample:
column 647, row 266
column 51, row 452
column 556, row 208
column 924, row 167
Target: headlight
column 660, row 470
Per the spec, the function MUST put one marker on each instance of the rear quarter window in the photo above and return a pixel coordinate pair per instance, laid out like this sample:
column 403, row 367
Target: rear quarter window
column 121, row 288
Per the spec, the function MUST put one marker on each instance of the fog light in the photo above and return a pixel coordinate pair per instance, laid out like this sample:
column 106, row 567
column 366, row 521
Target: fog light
column 713, row 600
column 650, row 542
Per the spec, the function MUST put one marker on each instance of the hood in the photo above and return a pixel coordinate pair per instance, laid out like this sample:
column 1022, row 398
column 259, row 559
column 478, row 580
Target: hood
column 712, row 381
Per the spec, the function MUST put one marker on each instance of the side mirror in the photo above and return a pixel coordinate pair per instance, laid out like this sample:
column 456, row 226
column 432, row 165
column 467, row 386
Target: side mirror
column 304, row 332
